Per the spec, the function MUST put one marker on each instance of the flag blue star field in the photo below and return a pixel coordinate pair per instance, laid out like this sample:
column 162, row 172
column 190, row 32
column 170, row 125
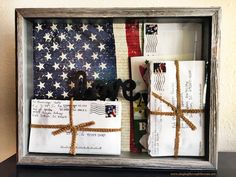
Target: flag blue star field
column 60, row 49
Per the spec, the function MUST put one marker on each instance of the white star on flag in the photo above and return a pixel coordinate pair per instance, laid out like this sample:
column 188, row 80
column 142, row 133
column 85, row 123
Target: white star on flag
column 99, row 28
column 49, row 94
column 64, row 75
column 84, row 27
column 86, row 46
column 39, row 27
column 40, row 66
column 77, row 37
column 55, row 66
column 62, row 36
column 49, row 75
column 93, row 37
column 41, row 85
column 70, row 46
column 94, row 56
column 72, row 85
column 54, row 27
column 89, row 84
column 96, row 75
column 39, row 47
column 65, row 94
column 68, row 27
column 55, row 46
column 103, row 66
column 47, row 37
column 48, row 56
column 79, row 56
column 101, row 47
column 87, row 66
column 56, row 85
column 71, row 65
column 63, row 56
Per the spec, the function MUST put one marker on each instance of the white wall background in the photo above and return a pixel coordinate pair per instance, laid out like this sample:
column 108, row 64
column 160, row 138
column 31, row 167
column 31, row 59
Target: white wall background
column 227, row 93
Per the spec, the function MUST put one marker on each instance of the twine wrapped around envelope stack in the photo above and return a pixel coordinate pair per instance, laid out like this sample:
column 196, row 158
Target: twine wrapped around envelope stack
column 178, row 112
column 74, row 128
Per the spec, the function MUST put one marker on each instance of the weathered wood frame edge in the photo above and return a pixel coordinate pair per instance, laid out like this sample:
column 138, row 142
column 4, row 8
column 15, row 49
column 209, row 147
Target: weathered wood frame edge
column 214, row 13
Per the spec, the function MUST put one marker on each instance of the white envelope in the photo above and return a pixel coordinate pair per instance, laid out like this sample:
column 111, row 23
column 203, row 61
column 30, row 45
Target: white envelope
column 105, row 114
column 162, row 128
column 171, row 39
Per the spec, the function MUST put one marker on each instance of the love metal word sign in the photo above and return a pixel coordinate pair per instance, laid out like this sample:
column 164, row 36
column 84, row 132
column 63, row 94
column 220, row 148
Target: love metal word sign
column 100, row 90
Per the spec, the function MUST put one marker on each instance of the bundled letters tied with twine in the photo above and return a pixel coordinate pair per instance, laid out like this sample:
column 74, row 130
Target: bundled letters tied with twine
column 74, row 128
column 178, row 112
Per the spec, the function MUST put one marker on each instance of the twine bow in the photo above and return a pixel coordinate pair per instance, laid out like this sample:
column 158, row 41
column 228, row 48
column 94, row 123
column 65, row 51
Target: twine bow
column 74, row 128
column 178, row 112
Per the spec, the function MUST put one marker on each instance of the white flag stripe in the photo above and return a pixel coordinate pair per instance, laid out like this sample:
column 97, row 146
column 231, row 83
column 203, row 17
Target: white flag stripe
column 122, row 73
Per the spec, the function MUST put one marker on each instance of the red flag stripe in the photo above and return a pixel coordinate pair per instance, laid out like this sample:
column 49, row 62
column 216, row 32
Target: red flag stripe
column 132, row 38
column 133, row 44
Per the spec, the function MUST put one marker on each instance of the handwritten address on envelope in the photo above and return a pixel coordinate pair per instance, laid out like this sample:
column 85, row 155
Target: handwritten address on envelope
column 105, row 114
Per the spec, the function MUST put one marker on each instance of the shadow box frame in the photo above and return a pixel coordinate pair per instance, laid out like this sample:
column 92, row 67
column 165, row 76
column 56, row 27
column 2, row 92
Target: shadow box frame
column 209, row 17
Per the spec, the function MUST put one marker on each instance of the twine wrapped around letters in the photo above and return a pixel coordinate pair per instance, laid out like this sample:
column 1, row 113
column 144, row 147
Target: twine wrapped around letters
column 74, row 128
column 178, row 112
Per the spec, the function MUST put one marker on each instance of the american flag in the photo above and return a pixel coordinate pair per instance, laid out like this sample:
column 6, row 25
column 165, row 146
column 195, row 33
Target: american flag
column 62, row 48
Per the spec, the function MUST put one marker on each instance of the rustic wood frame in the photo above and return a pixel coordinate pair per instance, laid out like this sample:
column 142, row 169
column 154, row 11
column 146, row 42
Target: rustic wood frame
column 125, row 160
